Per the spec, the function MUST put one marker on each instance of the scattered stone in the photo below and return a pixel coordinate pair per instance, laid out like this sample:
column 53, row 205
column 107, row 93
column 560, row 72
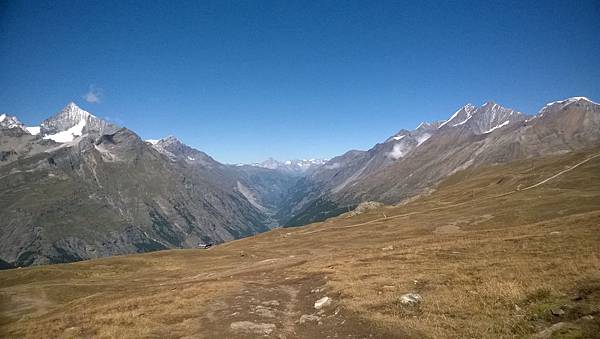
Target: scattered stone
column 557, row 312
column 554, row 233
column 309, row 317
column 411, row 299
column 252, row 328
column 271, row 303
column 264, row 312
column 323, row 302
column 389, row 287
column 517, row 308
column 387, row 248
column 587, row 317
column 316, row 290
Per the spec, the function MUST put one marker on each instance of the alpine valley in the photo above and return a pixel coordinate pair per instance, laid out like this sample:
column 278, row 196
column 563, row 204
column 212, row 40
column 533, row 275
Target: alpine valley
column 77, row 187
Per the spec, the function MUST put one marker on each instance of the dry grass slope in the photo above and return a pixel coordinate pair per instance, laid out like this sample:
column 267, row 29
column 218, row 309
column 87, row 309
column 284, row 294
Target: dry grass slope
column 489, row 260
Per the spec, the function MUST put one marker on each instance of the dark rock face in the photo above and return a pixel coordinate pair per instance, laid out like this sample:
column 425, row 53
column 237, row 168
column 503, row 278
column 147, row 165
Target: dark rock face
column 112, row 193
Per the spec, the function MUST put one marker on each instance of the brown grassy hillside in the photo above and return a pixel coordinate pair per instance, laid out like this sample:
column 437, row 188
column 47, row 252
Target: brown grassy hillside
column 491, row 254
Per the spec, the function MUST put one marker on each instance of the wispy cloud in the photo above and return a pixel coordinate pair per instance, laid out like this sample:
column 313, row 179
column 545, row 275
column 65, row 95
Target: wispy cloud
column 94, row 95
column 114, row 120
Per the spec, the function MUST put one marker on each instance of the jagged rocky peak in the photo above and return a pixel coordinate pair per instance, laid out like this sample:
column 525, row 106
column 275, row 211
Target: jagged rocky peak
column 175, row 149
column 68, row 117
column 484, row 119
column 169, row 146
column 417, row 136
column 72, row 121
column 491, row 117
column 8, row 121
column 459, row 117
column 425, row 125
column 562, row 104
column 169, row 140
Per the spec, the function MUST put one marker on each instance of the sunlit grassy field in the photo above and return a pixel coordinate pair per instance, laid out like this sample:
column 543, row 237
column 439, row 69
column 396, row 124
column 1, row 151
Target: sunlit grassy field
column 489, row 257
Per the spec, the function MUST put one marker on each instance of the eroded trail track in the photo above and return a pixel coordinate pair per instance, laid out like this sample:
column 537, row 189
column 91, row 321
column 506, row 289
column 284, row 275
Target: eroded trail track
column 282, row 310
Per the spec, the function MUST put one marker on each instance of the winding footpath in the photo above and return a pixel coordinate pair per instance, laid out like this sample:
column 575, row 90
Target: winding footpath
column 458, row 204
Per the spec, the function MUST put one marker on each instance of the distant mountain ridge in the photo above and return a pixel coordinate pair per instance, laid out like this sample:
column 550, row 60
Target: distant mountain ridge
column 412, row 162
column 78, row 187
column 296, row 166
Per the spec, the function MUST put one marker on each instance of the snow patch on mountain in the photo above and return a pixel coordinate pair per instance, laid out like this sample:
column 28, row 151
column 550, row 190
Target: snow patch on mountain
column 7, row 121
column 496, row 127
column 292, row 166
column 564, row 103
column 571, row 100
column 463, row 122
column 34, row 130
column 422, row 138
column 463, row 113
column 68, row 135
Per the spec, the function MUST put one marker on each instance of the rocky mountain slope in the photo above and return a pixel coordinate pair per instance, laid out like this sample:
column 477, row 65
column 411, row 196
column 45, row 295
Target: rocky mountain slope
column 78, row 187
column 412, row 162
column 83, row 188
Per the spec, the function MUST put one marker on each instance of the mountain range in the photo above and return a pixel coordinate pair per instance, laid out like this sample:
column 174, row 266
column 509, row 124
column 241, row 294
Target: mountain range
column 78, row 187
column 296, row 166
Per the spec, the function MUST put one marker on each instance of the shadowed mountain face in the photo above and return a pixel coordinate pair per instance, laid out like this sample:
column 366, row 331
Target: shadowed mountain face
column 101, row 191
column 77, row 187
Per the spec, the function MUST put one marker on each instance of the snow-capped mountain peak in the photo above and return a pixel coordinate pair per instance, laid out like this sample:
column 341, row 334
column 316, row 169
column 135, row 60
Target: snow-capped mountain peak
column 459, row 117
column 564, row 103
column 298, row 166
column 8, row 121
column 71, row 122
column 484, row 119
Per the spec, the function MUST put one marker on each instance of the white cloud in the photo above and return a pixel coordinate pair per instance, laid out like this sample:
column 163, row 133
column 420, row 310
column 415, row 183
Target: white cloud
column 94, row 95
column 399, row 150
column 335, row 165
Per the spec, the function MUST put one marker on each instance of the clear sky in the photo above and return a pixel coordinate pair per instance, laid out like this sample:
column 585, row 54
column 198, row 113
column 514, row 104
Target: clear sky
column 246, row 80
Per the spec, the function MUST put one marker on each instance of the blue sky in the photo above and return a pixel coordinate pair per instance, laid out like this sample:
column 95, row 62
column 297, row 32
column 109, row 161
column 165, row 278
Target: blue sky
column 246, row 80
